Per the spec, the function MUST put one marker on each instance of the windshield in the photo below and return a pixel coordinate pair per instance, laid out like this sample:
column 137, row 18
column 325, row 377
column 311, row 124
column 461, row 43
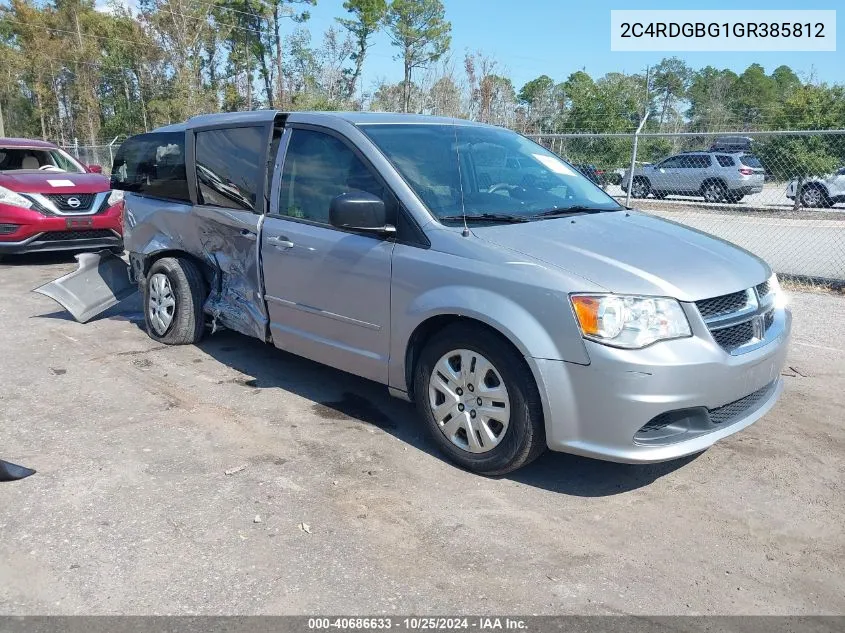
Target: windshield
column 37, row 159
column 484, row 171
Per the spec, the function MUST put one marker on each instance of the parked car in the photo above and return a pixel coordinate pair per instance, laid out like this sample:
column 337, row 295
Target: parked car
column 516, row 317
column 819, row 192
column 50, row 201
column 732, row 144
column 717, row 177
column 593, row 173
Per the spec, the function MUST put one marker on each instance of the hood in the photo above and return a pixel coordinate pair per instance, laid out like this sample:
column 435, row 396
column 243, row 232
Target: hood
column 22, row 181
column 634, row 254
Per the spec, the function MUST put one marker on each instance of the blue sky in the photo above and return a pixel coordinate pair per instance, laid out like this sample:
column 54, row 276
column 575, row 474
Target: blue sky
column 558, row 37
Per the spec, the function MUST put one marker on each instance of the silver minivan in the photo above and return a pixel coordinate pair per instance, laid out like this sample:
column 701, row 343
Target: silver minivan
column 463, row 266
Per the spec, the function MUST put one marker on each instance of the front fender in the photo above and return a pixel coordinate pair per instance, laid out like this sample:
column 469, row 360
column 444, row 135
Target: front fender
column 531, row 337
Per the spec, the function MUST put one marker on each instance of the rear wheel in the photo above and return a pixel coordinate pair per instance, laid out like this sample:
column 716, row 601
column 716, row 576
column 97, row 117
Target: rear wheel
column 659, row 194
column 814, row 196
column 735, row 197
column 479, row 400
column 640, row 188
column 173, row 296
column 714, row 191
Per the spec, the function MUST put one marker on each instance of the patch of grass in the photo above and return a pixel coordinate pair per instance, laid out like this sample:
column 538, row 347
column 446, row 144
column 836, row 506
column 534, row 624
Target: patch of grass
column 796, row 283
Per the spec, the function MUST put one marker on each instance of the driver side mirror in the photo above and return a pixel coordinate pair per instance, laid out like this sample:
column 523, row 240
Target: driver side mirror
column 360, row 211
column 94, row 169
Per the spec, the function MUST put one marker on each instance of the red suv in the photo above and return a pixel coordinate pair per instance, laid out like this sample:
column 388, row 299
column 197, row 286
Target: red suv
column 49, row 201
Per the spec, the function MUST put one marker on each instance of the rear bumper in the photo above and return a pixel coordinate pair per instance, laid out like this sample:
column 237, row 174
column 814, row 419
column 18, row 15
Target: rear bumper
column 746, row 190
column 36, row 232
column 701, row 392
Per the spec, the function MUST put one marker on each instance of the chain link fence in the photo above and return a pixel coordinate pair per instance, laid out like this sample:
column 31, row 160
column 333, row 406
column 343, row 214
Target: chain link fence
column 780, row 195
column 102, row 155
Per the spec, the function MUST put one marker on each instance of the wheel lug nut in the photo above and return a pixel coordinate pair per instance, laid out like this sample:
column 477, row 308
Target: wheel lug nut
column 470, row 387
column 478, row 401
column 460, row 391
column 472, row 413
column 460, row 407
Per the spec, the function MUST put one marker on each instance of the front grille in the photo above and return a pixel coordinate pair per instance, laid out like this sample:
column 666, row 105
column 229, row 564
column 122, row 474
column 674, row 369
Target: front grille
column 762, row 289
column 87, row 234
column 738, row 408
column 720, row 306
column 768, row 319
column 61, row 201
column 734, row 336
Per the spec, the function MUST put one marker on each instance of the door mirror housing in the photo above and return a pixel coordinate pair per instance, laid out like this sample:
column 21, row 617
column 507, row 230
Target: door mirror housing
column 94, row 169
column 360, row 211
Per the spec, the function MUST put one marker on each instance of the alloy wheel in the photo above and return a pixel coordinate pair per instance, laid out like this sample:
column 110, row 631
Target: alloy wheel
column 469, row 401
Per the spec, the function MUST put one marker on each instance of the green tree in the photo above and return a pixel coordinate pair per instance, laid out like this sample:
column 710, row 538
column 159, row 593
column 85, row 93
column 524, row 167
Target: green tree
column 755, row 96
column 710, row 96
column 420, row 30
column 367, row 18
column 671, row 81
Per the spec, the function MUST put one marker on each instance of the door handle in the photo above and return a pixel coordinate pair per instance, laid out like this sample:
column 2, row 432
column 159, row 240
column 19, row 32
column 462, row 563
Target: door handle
column 280, row 242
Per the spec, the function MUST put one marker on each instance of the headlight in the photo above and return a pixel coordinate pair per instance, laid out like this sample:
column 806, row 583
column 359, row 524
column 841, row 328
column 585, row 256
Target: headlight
column 630, row 322
column 114, row 197
column 14, row 199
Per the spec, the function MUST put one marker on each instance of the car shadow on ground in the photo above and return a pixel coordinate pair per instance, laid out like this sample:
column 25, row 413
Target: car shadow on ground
column 337, row 395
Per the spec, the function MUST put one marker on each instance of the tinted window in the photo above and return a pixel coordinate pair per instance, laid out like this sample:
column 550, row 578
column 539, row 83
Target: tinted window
column 725, row 161
column 671, row 163
column 318, row 168
column 465, row 170
column 152, row 165
column 695, row 161
column 229, row 164
column 750, row 161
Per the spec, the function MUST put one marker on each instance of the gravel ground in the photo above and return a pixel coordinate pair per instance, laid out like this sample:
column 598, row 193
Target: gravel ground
column 341, row 505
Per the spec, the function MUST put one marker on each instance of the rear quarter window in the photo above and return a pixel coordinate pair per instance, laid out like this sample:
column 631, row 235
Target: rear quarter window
column 725, row 161
column 750, row 161
column 229, row 166
column 152, row 165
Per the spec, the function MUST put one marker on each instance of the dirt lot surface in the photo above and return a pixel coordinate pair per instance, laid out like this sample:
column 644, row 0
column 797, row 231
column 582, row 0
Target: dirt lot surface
column 343, row 506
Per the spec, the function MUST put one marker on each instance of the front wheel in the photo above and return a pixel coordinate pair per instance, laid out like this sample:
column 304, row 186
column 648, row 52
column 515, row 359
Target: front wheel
column 173, row 296
column 479, row 400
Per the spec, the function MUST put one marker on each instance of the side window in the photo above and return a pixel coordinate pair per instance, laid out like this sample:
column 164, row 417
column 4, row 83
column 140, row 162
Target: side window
column 725, row 161
column 696, row 161
column 671, row 163
column 229, row 166
column 318, row 168
column 686, row 162
column 152, row 165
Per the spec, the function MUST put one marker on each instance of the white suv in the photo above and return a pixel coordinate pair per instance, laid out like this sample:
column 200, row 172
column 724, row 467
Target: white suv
column 819, row 192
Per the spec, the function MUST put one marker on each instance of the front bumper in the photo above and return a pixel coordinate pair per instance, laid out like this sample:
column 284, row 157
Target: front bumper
column 599, row 410
column 36, row 232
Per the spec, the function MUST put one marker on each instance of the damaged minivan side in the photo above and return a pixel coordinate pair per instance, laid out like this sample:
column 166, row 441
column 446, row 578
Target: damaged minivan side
column 463, row 266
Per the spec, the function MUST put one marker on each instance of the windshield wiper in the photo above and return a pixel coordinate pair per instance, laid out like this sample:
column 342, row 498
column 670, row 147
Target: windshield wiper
column 487, row 217
column 562, row 211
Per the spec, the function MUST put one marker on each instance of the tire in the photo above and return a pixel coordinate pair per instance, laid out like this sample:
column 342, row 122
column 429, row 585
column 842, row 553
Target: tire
column 659, row 195
column 640, row 187
column 510, row 440
column 117, row 250
column 714, row 191
column 814, row 197
column 733, row 198
column 174, row 287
